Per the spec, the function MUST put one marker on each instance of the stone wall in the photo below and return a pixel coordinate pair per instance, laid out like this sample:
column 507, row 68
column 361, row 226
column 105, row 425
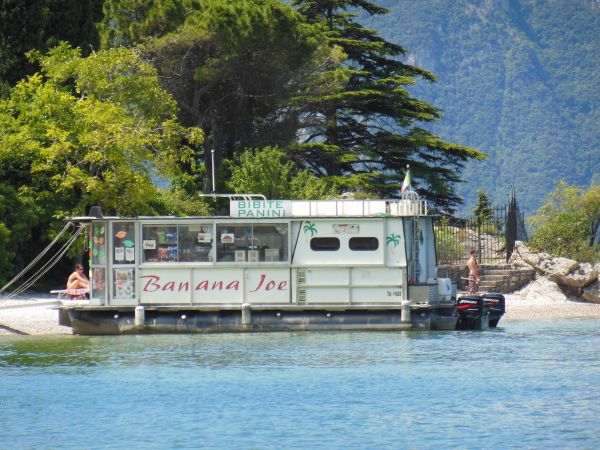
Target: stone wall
column 494, row 277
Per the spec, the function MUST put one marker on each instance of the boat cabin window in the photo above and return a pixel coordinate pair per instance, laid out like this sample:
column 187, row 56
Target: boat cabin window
column 98, row 243
column 159, row 243
column 325, row 244
column 123, row 237
column 195, row 242
column 252, row 242
column 99, row 260
column 98, row 283
column 181, row 243
column 363, row 244
column 233, row 242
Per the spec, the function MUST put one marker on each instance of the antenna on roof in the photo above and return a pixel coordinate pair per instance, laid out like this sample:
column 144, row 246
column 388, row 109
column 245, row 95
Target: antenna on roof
column 231, row 197
column 212, row 157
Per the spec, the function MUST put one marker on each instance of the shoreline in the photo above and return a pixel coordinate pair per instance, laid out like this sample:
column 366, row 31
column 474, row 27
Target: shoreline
column 519, row 308
column 36, row 314
column 31, row 315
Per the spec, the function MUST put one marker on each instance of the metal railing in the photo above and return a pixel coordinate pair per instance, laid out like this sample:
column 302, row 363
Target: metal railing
column 493, row 238
column 316, row 208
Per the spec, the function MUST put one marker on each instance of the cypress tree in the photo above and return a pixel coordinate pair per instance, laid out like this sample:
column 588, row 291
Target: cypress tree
column 365, row 129
column 482, row 212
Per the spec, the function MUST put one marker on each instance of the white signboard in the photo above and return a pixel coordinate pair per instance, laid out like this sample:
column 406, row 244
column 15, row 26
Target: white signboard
column 260, row 208
column 205, row 237
column 119, row 253
column 268, row 286
column 345, row 228
column 124, row 283
column 215, row 285
column 149, row 244
column 227, row 238
column 165, row 286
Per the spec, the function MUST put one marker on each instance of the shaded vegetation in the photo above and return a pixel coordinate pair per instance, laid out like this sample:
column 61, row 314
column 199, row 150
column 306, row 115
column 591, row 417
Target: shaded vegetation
column 41, row 25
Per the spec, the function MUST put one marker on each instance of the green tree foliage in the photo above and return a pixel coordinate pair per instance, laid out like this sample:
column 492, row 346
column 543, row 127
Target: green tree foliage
column 254, row 73
column 366, row 131
column 92, row 130
column 266, row 171
column 17, row 218
column 231, row 66
column 85, row 131
column 130, row 22
column 40, row 25
column 305, row 186
column 568, row 222
column 176, row 201
column 448, row 249
column 482, row 213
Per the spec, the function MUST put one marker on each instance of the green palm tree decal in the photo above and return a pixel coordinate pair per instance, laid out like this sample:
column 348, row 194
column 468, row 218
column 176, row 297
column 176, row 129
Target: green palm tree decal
column 310, row 227
column 393, row 239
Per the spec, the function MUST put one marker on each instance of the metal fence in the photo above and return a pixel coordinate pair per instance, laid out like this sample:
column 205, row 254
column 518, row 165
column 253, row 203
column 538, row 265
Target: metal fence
column 494, row 239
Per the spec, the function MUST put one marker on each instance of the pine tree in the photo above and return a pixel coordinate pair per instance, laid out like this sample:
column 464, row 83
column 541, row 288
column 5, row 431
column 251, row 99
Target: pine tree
column 130, row 22
column 231, row 67
column 364, row 132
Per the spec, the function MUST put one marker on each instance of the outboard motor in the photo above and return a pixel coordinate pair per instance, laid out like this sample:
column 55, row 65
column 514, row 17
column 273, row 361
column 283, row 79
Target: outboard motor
column 473, row 312
column 497, row 306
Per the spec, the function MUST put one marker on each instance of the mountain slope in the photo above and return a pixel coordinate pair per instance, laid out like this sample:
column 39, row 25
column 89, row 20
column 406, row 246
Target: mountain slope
column 518, row 79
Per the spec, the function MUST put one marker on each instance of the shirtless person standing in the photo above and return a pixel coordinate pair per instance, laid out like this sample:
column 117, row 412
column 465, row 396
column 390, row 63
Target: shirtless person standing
column 77, row 280
column 473, row 272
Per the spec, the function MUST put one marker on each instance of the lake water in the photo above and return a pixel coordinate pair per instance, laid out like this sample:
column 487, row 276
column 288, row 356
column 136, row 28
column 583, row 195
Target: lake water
column 525, row 385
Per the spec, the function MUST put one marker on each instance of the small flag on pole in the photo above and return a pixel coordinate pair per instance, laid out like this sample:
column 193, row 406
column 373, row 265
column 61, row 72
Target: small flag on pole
column 406, row 184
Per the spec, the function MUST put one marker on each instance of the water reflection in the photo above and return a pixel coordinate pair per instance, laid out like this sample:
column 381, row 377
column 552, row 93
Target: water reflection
column 254, row 351
column 60, row 351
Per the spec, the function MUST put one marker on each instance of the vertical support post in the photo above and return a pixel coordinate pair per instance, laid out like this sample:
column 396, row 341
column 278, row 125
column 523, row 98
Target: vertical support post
column 212, row 164
column 140, row 317
column 405, row 312
column 246, row 316
column 484, row 316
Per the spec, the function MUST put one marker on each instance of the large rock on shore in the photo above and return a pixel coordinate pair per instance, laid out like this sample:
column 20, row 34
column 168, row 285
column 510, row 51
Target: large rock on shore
column 566, row 273
column 543, row 290
column 577, row 278
column 522, row 254
column 558, row 266
column 592, row 292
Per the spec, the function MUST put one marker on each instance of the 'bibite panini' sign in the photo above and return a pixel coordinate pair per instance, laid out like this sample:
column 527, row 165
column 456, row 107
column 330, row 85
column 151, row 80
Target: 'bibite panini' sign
column 260, row 208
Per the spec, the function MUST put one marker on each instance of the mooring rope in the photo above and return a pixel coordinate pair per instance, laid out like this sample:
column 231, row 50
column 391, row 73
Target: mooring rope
column 37, row 258
column 13, row 330
column 46, row 267
column 51, row 262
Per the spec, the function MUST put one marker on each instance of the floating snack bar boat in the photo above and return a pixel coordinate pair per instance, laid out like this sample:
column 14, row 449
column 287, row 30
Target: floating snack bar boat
column 270, row 265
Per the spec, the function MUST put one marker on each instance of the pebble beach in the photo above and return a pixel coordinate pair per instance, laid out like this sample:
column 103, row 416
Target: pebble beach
column 31, row 314
column 36, row 314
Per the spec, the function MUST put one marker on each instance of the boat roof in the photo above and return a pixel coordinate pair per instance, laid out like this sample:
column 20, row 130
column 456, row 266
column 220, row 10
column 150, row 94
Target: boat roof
column 302, row 209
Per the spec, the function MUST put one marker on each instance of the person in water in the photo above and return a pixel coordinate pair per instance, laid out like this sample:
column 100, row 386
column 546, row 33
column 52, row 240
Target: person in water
column 473, row 272
column 78, row 280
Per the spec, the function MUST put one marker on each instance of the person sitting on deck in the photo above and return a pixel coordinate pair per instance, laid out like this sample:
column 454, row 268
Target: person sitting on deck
column 78, row 284
column 473, row 272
